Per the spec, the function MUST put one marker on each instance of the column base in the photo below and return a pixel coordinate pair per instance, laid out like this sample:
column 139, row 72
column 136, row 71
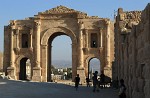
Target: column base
column 37, row 74
column 108, row 71
column 11, row 73
column 81, row 72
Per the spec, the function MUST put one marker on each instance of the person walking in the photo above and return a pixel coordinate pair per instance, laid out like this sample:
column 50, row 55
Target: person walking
column 95, row 82
column 77, row 80
column 122, row 89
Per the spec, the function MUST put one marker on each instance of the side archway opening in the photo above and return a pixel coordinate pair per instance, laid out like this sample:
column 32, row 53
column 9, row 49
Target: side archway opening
column 93, row 65
column 25, row 69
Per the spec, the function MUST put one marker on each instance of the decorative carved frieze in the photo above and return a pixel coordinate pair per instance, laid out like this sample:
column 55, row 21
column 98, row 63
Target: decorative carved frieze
column 60, row 9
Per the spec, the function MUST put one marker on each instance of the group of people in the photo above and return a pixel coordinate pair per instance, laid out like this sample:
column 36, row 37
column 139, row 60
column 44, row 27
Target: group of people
column 122, row 88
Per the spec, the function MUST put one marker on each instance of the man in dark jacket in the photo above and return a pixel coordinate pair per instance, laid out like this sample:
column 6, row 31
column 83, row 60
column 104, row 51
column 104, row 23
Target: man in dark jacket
column 77, row 80
column 95, row 81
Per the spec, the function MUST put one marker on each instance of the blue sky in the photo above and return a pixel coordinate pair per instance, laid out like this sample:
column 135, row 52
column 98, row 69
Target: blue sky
column 20, row 9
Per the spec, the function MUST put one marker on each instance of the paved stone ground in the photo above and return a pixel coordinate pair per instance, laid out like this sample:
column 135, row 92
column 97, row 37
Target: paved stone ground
column 23, row 89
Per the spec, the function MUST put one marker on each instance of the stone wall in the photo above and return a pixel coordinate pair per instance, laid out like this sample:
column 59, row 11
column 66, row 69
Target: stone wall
column 132, row 55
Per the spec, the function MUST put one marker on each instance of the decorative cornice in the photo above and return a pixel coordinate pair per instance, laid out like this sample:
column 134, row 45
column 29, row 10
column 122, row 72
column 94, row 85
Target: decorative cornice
column 63, row 10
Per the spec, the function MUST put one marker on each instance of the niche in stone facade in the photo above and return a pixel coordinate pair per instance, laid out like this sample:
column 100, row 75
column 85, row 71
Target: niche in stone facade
column 25, row 42
column 94, row 40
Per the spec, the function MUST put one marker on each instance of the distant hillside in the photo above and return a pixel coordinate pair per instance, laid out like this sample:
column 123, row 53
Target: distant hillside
column 64, row 64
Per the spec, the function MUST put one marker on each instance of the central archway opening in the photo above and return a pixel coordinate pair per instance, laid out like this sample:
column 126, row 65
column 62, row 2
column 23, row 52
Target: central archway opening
column 25, row 69
column 59, row 58
column 94, row 65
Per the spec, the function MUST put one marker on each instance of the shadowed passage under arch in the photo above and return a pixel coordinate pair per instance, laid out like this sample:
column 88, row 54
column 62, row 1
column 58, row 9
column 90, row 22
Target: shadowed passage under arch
column 25, row 69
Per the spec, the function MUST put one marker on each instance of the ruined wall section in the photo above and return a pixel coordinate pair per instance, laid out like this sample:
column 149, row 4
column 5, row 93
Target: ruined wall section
column 142, row 67
column 133, row 44
column 124, row 27
column 124, row 24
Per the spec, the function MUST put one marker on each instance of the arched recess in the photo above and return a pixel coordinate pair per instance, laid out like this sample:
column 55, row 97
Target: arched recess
column 21, row 60
column 46, row 41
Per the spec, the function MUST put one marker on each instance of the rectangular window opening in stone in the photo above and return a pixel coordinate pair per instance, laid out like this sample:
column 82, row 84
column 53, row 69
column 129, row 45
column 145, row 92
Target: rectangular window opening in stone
column 24, row 40
column 94, row 40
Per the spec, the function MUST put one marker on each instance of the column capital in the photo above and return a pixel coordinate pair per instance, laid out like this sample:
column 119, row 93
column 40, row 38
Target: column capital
column 37, row 63
column 81, row 24
column 85, row 31
column 107, row 22
column 11, row 63
column 15, row 31
column 38, row 23
column 31, row 32
column 44, row 46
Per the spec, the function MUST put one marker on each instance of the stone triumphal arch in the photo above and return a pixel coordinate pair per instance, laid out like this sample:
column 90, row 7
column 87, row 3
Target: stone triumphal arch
column 32, row 37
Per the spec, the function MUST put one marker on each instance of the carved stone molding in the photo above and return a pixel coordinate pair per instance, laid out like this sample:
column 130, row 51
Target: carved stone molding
column 81, row 25
column 85, row 51
column 37, row 62
column 54, row 13
column 44, row 46
column 17, row 50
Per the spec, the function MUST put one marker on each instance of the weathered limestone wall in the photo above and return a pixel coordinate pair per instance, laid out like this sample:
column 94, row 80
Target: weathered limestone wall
column 132, row 56
column 40, row 31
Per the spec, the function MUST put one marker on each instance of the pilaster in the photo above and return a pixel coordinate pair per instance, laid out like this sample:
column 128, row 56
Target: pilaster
column 37, row 68
column 107, row 68
column 107, row 44
column 30, row 35
column 11, row 68
column 74, row 60
column 80, row 68
column 101, row 37
column 80, row 47
column 86, row 38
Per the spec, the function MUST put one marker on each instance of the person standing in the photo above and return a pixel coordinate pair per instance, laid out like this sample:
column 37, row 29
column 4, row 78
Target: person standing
column 77, row 80
column 87, row 82
column 102, row 79
column 122, row 89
